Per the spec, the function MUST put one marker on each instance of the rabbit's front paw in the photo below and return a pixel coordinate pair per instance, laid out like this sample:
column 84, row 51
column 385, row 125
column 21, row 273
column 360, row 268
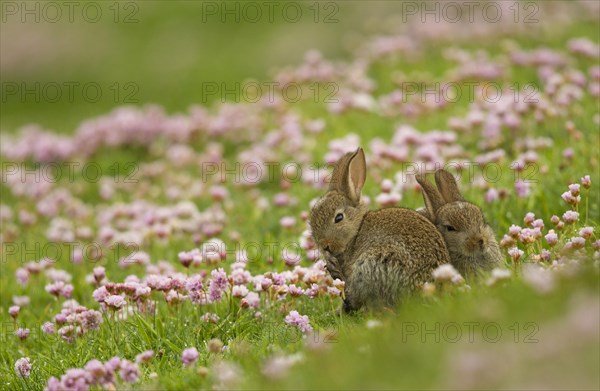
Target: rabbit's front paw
column 348, row 308
column 333, row 271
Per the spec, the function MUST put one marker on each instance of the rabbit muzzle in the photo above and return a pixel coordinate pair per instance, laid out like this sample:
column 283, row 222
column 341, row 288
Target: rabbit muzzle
column 475, row 243
column 331, row 247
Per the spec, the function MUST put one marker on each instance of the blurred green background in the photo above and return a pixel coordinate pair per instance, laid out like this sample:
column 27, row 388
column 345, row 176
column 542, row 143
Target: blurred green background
column 158, row 51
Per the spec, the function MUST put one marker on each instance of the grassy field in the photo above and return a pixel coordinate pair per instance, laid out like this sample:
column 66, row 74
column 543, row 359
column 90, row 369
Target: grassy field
column 102, row 214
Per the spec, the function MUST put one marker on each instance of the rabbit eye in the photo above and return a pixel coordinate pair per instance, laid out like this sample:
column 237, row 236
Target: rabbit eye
column 339, row 217
column 449, row 228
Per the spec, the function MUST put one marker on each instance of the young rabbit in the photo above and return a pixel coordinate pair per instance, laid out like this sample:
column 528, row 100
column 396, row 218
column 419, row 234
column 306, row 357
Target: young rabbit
column 380, row 254
column 469, row 239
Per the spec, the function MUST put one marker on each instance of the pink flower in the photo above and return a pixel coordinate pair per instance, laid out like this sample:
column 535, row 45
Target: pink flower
column 13, row 311
column 96, row 369
column 219, row 193
column 570, row 217
column 115, row 301
column 90, row 319
column 313, row 291
column 570, row 199
column 100, row 294
column 539, row 224
column 239, row 291
column 226, row 373
column 551, row 238
column 491, row 195
column 545, row 255
column 60, row 318
column 129, row 371
column 586, row 182
column 210, row 317
column 522, row 188
column 23, row 367
column 290, row 258
column 21, row 301
column 554, row 219
column 67, row 291
column 189, row 356
column 113, row 364
column 529, row 218
column 144, row 357
column 341, row 285
column 584, row 47
column 574, row 189
column 281, row 199
column 186, row 258
column 142, row 292
column 48, row 328
column 530, row 235
column 265, row 283
column 515, row 253
column 507, row 241
column 69, row 332
column 300, row 321
column 388, row 199
column 295, row 291
column 217, row 285
column 514, row 231
column 287, row 222
column 22, row 333
column 194, row 287
column 568, row 153
column 446, row 273
column 213, row 250
column 240, row 276
column 586, row 232
column 333, row 291
column 575, row 243
column 59, row 288
column 99, row 273
column 542, row 280
column 252, row 300
column 278, row 366
column 173, row 297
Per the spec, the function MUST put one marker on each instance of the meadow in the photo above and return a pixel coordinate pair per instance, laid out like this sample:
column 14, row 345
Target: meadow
column 164, row 243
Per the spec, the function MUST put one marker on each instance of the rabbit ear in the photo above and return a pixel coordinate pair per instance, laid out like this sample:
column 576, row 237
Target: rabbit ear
column 349, row 175
column 432, row 197
column 357, row 174
column 336, row 181
column 447, row 186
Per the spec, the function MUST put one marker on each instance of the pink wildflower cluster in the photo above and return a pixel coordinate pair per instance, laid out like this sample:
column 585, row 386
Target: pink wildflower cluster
column 23, row 367
column 189, row 356
column 23, row 274
column 563, row 240
column 300, row 321
column 74, row 320
column 96, row 374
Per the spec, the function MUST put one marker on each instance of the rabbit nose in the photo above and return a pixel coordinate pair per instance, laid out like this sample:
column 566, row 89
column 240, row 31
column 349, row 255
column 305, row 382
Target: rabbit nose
column 325, row 245
column 474, row 243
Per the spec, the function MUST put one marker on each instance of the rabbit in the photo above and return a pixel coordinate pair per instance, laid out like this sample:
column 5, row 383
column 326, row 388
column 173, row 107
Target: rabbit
column 381, row 254
column 469, row 238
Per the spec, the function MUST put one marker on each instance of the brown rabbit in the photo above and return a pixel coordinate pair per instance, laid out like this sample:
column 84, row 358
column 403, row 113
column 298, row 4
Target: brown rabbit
column 469, row 239
column 380, row 254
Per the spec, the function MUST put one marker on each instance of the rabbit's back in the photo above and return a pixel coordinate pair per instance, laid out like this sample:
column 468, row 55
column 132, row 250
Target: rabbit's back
column 396, row 250
column 403, row 231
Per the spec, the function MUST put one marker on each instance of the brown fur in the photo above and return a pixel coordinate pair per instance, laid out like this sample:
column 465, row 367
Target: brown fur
column 472, row 244
column 380, row 254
